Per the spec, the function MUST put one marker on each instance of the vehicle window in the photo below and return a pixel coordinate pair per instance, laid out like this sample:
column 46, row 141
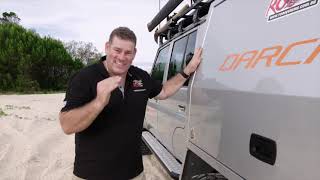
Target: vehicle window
column 182, row 53
column 190, row 47
column 177, row 56
column 190, row 51
column 160, row 64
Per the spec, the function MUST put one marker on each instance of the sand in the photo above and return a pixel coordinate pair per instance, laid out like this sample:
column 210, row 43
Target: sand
column 33, row 146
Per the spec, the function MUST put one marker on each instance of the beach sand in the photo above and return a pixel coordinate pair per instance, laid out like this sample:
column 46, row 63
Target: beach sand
column 33, row 146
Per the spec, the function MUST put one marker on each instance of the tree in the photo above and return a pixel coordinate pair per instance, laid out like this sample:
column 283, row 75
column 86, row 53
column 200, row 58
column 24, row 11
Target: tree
column 10, row 17
column 29, row 62
column 85, row 52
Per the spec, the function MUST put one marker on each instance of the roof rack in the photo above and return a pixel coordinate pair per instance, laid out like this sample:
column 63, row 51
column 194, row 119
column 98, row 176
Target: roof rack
column 163, row 13
column 179, row 21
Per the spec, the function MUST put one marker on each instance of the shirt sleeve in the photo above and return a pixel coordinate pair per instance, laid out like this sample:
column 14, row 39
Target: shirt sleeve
column 78, row 93
column 156, row 87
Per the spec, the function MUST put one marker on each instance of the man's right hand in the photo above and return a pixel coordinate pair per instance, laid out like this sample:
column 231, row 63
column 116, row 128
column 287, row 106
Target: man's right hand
column 78, row 119
column 105, row 87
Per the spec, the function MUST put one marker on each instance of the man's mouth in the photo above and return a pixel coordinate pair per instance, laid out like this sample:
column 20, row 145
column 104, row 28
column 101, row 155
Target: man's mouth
column 120, row 63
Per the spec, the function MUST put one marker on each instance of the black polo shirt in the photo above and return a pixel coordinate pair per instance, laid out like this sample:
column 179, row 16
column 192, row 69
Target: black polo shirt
column 110, row 147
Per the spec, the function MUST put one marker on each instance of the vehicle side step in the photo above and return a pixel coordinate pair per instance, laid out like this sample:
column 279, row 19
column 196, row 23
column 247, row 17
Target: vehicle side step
column 171, row 164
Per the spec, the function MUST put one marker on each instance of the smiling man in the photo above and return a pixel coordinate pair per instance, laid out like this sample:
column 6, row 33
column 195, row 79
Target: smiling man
column 105, row 108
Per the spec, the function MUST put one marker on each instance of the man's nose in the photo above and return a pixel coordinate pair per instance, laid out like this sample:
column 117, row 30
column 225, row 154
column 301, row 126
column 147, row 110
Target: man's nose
column 122, row 56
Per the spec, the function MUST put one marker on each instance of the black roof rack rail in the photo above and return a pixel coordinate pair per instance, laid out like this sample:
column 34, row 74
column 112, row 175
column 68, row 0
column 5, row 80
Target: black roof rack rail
column 163, row 13
column 173, row 26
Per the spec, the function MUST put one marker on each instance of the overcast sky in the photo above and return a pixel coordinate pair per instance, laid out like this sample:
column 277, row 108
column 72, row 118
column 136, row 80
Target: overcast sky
column 89, row 21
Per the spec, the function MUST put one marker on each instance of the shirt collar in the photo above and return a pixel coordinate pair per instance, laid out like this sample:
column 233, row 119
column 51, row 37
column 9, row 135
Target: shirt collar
column 102, row 70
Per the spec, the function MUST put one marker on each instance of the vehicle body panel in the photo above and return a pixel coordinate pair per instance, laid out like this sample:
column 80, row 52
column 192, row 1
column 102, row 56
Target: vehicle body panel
column 234, row 94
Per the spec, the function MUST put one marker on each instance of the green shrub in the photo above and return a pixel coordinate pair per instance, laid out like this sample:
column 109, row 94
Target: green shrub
column 2, row 113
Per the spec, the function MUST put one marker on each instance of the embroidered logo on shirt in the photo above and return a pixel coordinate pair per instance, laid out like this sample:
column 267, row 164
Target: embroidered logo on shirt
column 137, row 83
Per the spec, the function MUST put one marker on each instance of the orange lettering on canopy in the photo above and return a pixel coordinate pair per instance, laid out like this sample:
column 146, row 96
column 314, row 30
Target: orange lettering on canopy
column 246, row 58
column 232, row 56
column 252, row 58
column 313, row 55
column 268, row 57
column 287, row 50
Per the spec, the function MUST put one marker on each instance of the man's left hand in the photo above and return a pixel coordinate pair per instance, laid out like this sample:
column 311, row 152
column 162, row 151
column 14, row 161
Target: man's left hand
column 194, row 63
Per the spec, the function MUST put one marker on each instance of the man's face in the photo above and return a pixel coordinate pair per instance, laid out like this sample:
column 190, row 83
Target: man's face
column 120, row 54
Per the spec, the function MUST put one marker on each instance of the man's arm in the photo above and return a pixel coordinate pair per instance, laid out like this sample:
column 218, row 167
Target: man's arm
column 175, row 83
column 79, row 119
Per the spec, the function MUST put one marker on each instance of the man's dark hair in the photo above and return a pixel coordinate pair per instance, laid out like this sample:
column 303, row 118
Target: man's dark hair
column 123, row 33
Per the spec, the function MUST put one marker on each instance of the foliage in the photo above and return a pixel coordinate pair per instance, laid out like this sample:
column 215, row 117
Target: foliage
column 10, row 17
column 31, row 63
column 85, row 52
column 2, row 113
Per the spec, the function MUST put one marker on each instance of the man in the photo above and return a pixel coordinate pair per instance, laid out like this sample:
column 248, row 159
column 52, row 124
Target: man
column 105, row 107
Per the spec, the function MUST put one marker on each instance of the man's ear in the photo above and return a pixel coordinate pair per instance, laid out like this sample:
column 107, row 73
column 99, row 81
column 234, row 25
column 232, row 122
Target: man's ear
column 135, row 51
column 107, row 47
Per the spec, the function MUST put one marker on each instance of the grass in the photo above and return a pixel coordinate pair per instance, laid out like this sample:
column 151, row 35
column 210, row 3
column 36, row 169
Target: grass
column 16, row 107
column 9, row 106
column 2, row 113
column 24, row 107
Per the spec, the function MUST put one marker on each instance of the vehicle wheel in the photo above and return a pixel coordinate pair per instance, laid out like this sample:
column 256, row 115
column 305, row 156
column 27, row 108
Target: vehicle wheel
column 209, row 176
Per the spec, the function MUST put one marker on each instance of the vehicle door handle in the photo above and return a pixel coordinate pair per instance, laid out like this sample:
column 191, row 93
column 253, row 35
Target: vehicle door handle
column 182, row 108
column 263, row 148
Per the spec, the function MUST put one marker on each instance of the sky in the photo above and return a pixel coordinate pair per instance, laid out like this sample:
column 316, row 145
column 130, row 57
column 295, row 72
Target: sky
column 90, row 21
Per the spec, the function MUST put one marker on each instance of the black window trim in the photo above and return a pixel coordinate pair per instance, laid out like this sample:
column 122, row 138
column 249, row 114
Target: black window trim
column 170, row 44
column 156, row 58
column 171, row 51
